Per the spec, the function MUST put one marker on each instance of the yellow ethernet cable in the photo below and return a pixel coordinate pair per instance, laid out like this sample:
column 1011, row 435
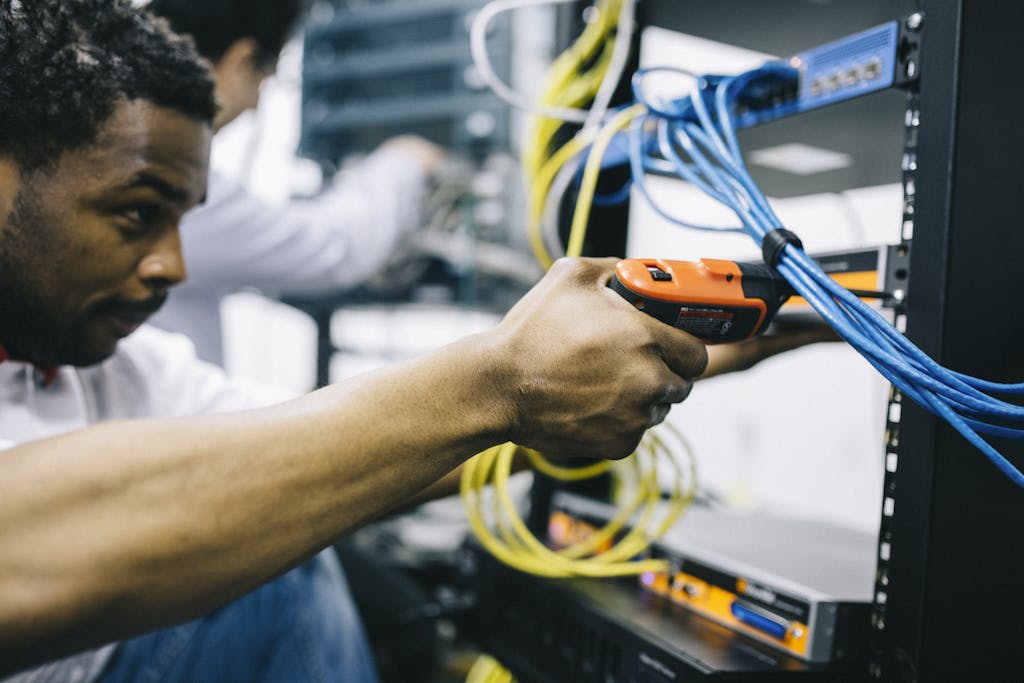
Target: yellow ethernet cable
column 570, row 83
column 575, row 91
column 486, row 669
column 597, row 141
column 562, row 87
column 496, row 523
column 588, row 184
column 539, row 191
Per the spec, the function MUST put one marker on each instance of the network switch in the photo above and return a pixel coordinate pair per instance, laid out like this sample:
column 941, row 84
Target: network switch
column 801, row 586
column 869, row 61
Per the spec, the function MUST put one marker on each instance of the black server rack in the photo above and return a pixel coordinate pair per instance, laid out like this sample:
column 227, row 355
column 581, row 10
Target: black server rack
column 947, row 600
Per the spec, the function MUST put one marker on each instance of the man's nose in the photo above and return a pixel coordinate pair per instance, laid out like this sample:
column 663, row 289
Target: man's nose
column 164, row 265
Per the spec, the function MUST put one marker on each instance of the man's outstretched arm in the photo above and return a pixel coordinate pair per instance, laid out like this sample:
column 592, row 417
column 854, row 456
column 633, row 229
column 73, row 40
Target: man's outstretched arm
column 124, row 527
column 723, row 359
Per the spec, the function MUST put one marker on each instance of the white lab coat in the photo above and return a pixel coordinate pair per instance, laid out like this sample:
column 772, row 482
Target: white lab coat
column 320, row 245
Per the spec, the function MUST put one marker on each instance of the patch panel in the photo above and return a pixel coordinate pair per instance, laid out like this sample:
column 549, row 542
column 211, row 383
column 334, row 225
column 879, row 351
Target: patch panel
column 852, row 66
column 869, row 61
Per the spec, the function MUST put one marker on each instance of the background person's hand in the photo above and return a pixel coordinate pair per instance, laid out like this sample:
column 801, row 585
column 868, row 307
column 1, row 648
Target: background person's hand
column 430, row 156
column 725, row 358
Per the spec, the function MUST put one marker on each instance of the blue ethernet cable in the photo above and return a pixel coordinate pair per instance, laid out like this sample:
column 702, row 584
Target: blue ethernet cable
column 723, row 146
column 638, row 170
column 620, row 196
column 707, row 136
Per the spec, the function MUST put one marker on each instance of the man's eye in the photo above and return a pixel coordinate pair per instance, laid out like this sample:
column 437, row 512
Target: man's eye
column 140, row 213
column 137, row 220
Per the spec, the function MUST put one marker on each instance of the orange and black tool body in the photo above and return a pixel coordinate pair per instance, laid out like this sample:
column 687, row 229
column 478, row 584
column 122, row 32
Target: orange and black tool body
column 715, row 300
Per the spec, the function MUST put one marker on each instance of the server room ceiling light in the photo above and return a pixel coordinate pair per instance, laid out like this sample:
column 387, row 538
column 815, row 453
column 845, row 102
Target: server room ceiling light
column 800, row 159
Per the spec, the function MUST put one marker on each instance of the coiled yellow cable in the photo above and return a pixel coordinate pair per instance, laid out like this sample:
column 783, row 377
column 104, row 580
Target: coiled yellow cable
column 506, row 536
column 588, row 184
column 570, row 82
column 539, row 192
column 486, row 669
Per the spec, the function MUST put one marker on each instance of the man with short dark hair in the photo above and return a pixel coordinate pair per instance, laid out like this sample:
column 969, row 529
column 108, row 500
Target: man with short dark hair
column 116, row 525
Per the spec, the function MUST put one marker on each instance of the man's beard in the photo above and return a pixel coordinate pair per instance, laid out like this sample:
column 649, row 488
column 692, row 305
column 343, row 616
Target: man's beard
column 44, row 341
column 29, row 330
column 25, row 331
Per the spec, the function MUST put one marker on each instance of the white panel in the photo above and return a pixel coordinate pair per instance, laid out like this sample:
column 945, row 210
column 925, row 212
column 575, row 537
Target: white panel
column 801, row 433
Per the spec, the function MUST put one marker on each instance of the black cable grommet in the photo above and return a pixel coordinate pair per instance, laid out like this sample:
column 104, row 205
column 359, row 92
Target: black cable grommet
column 774, row 242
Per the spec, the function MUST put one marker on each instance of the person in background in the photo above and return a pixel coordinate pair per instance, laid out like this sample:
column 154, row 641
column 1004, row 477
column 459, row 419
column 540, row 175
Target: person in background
column 160, row 521
column 308, row 246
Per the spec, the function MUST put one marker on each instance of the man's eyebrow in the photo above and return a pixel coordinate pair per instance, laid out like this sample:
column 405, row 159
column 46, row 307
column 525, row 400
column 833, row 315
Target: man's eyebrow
column 169, row 191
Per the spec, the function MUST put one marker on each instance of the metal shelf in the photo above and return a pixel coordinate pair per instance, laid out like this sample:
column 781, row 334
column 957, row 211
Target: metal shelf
column 373, row 70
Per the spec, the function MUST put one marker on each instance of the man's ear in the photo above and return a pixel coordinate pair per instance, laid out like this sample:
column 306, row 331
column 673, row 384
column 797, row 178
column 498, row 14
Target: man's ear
column 237, row 76
column 241, row 54
column 10, row 185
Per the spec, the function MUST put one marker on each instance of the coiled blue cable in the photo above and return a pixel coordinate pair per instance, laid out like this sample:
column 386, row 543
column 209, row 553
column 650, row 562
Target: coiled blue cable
column 702, row 148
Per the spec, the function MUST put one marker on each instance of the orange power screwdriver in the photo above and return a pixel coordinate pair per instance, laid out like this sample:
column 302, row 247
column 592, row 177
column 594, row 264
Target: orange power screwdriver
column 715, row 300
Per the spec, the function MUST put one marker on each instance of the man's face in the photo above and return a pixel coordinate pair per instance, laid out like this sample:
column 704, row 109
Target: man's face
column 89, row 245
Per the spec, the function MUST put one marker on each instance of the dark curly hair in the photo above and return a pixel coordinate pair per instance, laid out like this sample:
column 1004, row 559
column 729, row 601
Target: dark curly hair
column 216, row 24
column 65, row 64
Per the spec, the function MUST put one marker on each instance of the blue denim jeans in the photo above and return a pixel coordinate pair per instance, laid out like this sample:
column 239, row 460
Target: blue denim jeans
column 301, row 627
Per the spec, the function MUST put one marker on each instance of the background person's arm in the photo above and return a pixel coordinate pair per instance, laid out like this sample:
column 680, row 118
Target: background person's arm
column 333, row 240
column 307, row 247
column 726, row 358
column 124, row 527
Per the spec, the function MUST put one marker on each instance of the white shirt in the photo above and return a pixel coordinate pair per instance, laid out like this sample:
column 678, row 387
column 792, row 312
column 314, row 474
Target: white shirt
column 321, row 245
column 152, row 374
